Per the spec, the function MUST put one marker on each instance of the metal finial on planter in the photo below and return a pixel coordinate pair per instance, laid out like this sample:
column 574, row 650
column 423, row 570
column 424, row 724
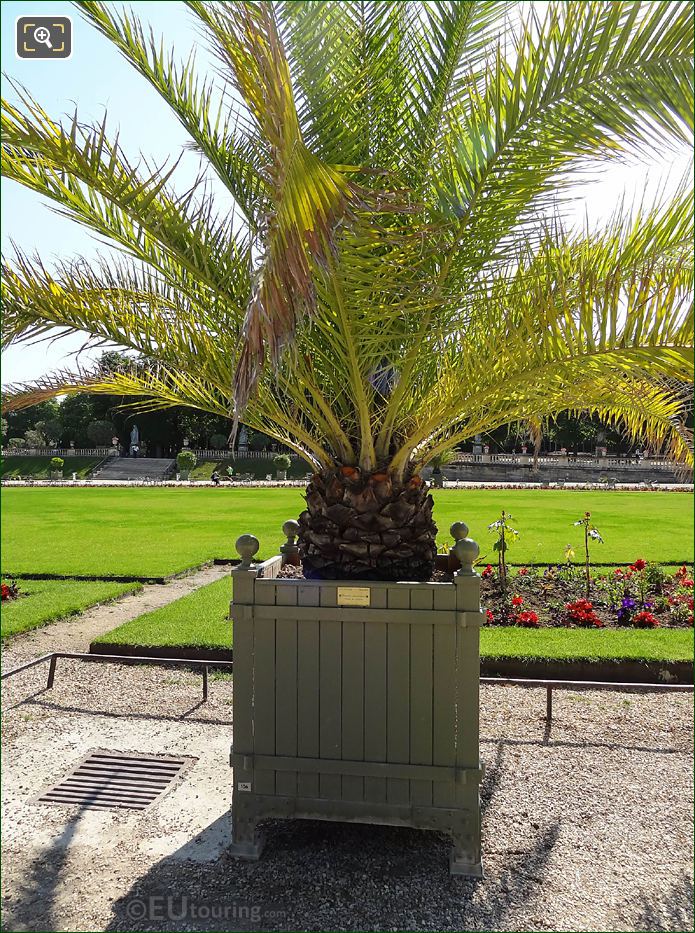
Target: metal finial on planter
column 290, row 550
column 247, row 547
column 467, row 550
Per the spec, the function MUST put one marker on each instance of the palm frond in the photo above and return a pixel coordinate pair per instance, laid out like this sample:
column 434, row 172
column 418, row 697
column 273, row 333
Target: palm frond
column 206, row 113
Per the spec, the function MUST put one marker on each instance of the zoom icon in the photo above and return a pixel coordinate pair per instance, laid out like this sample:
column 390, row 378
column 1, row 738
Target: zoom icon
column 44, row 37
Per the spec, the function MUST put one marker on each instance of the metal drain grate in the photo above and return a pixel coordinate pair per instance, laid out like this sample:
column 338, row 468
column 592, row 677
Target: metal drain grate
column 107, row 780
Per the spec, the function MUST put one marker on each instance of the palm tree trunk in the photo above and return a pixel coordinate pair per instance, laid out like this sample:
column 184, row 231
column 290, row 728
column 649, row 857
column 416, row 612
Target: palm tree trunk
column 367, row 526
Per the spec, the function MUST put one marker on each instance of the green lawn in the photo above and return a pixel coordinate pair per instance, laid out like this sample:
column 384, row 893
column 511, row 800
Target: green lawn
column 162, row 530
column 46, row 601
column 636, row 644
column 200, row 620
column 39, row 467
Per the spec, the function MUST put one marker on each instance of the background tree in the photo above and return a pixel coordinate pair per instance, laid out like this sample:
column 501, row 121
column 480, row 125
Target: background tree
column 394, row 279
column 51, row 428
column 100, row 433
column 22, row 419
column 34, row 438
column 219, row 441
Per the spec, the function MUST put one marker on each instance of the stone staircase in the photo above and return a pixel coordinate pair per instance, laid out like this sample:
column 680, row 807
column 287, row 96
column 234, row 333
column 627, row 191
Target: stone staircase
column 122, row 469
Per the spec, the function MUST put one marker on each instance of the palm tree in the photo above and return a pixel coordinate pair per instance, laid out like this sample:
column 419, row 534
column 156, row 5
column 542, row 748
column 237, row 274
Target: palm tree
column 395, row 276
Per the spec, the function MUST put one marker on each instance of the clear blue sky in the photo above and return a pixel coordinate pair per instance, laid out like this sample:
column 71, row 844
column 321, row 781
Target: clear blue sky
column 97, row 78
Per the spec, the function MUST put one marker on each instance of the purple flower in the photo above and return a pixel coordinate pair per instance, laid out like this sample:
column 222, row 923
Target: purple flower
column 626, row 607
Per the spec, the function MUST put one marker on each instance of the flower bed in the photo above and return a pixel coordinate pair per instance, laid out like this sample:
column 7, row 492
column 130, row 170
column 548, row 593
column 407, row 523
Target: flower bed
column 10, row 591
column 641, row 595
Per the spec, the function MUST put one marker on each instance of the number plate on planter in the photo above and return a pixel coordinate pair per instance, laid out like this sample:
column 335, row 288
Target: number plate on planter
column 353, row 595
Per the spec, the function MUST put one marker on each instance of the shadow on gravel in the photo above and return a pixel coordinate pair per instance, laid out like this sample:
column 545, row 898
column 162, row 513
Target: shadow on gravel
column 561, row 743
column 673, row 910
column 338, row 876
column 126, row 714
column 32, row 905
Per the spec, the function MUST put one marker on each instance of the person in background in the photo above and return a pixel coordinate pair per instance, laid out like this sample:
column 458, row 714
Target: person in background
column 215, row 477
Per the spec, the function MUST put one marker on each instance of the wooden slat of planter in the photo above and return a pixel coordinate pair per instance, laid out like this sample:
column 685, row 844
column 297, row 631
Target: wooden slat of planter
column 243, row 677
column 467, row 687
column 444, row 712
column 269, row 569
column 330, row 686
column 348, row 614
column 264, row 699
column 345, row 766
column 352, row 739
column 307, row 691
column 421, row 697
column 286, row 693
column 375, row 697
column 398, row 695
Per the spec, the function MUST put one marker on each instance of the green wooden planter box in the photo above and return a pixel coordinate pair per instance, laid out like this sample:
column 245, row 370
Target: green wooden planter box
column 357, row 702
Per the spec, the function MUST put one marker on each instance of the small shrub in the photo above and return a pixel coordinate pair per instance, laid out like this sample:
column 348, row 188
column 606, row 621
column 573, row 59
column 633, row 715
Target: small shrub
column 16, row 442
column 57, row 464
column 282, row 462
column 186, row 460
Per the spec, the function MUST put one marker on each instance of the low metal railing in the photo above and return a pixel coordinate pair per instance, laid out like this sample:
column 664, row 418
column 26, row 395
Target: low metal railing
column 52, row 660
column 204, row 666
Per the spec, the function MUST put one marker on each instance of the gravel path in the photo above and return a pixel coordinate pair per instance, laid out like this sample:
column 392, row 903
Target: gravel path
column 77, row 632
column 590, row 829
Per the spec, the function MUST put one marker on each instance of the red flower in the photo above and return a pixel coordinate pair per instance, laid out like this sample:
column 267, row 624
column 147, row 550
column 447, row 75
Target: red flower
column 528, row 619
column 490, row 616
column 5, row 591
column 639, row 564
column 682, row 571
column 645, row 619
column 517, row 600
column 618, row 572
column 688, row 583
column 488, row 571
column 523, row 571
column 581, row 612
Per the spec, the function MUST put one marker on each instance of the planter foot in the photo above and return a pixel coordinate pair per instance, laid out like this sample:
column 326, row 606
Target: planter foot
column 249, row 848
column 462, row 865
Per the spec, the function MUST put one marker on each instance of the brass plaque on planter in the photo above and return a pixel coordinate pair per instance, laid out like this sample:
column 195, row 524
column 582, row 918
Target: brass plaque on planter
column 353, row 595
